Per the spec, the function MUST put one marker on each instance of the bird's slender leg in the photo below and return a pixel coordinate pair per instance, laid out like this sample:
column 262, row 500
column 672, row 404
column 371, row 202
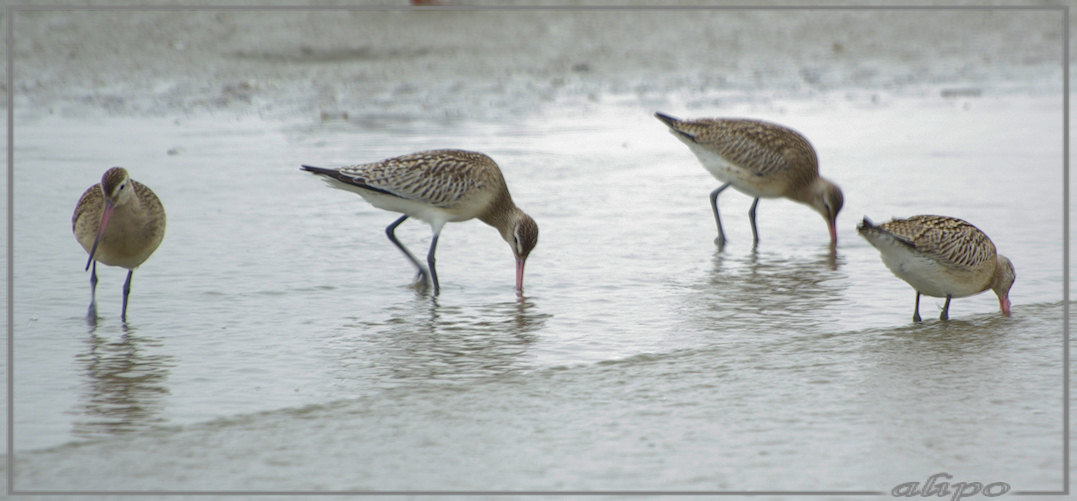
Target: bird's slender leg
column 430, row 262
column 390, row 232
column 751, row 217
column 946, row 309
column 126, row 292
column 717, row 219
column 92, row 313
column 916, row 312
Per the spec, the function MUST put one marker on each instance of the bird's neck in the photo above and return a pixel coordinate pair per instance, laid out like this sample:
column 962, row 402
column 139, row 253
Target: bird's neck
column 128, row 204
column 501, row 214
column 809, row 191
column 998, row 276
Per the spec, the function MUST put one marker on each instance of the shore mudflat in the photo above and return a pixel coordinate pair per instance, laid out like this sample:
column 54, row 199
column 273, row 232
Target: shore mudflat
column 487, row 63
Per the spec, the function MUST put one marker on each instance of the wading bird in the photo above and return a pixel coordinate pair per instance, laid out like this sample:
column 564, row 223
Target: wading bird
column 942, row 256
column 439, row 187
column 761, row 160
column 119, row 222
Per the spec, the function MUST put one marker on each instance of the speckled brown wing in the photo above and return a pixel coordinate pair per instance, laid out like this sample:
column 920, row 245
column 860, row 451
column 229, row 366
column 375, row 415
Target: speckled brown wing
column 763, row 148
column 89, row 206
column 948, row 240
column 155, row 224
column 440, row 177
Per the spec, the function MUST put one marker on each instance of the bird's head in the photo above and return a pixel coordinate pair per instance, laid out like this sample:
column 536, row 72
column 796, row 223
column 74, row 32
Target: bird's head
column 1002, row 281
column 522, row 236
column 827, row 200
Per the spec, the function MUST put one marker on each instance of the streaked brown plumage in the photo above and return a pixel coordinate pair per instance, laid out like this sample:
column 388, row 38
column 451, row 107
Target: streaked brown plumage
column 119, row 222
column 942, row 256
column 438, row 187
column 762, row 160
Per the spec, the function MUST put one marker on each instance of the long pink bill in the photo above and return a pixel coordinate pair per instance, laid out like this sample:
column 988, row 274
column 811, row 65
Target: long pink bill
column 519, row 276
column 105, row 215
column 833, row 227
column 1004, row 304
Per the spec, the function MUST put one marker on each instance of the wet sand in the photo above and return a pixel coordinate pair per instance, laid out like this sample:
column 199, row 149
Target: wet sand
column 478, row 64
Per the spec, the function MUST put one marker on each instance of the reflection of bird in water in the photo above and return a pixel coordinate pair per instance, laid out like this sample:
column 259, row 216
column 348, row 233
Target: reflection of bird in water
column 766, row 292
column 762, row 160
column 782, row 288
column 426, row 341
column 119, row 222
column 942, row 257
column 125, row 385
column 438, row 187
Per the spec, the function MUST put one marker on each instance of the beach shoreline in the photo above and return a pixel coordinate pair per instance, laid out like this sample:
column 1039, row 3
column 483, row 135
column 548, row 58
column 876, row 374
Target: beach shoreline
column 495, row 63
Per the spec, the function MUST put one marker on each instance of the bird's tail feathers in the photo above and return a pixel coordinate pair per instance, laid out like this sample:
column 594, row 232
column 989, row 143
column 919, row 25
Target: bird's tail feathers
column 318, row 170
column 865, row 225
column 675, row 125
column 875, row 233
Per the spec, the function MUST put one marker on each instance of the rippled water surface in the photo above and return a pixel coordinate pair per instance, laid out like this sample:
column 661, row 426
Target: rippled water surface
column 275, row 342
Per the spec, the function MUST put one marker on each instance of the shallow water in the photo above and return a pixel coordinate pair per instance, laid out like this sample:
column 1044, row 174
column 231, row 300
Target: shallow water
column 275, row 342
